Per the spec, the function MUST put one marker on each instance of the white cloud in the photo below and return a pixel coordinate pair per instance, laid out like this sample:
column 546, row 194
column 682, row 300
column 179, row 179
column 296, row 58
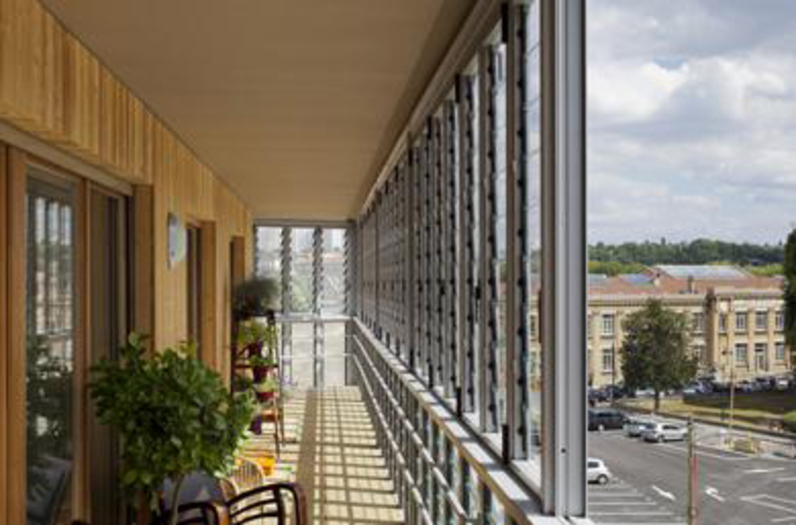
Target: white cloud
column 692, row 119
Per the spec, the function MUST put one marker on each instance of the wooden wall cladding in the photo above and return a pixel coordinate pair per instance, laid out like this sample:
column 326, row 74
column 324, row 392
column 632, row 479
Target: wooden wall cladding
column 54, row 88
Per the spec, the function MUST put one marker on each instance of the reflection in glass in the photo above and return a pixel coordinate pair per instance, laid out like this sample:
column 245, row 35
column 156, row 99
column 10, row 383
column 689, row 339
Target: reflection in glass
column 301, row 270
column 533, row 230
column 501, row 202
column 268, row 253
column 50, row 352
column 333, row 290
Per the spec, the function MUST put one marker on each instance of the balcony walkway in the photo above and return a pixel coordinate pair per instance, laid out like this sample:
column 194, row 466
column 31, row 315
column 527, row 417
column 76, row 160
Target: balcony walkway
column 332, row 452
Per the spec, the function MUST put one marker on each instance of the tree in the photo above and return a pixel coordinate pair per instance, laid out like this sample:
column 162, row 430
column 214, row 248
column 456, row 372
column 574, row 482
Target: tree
column 655, row 352
column 789, row 292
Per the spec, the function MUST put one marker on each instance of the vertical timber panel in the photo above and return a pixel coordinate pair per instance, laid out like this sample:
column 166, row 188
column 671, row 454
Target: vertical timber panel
column 5, row 252
column 209, row 299
column 17, row 424
column 144, row 265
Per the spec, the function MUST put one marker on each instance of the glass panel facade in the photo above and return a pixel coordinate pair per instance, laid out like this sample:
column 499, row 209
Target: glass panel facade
column 311, row 266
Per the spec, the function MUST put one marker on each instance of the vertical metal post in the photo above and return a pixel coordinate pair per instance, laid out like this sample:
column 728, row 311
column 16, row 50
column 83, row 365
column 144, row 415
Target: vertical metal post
column 438, row 323
column 693, row 476
column 428, row 160
column 286, row 346
column 451, row 249
column 351, row 266
column 564, row 256
column 468, row 271
column 318, row 348
column 490, row 314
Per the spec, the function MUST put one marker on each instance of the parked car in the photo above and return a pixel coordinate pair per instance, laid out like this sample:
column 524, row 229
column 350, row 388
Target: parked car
column 720, row 387
column 597, row 395
column 660, row 432
column 634, row 427
column 746, row 386
column 644, row 392
column 698, row 388
column 765, row 384
column 606, row 419
column 614, row 392
column 782, row 383
column 597, row 472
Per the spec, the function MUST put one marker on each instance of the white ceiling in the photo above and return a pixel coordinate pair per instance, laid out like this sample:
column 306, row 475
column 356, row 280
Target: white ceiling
column 295, row 104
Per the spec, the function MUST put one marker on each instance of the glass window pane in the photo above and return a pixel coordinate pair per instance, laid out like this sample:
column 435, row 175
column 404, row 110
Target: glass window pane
column 332, row 300
column 301, row 270
column 532, row 253
column 500, row 202
column 50, row 351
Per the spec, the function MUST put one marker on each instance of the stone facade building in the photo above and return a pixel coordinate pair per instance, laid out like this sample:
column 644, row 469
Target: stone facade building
column 737, row 319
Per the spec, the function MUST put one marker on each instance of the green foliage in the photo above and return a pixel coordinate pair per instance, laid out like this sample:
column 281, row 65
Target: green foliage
column 655, row 350
column 252, row 333
column 789, row 292
column 614, row 268
column 174, row 415
column 789, row 421
column 767, row 270
column 254, row 297
column 700, row 251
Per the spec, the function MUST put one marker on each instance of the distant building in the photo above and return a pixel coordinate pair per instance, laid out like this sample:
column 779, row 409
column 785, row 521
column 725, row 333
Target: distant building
column 737, row 319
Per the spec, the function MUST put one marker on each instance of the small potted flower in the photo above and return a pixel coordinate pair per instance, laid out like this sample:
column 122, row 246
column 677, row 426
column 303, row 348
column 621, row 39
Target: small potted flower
column 266, row 391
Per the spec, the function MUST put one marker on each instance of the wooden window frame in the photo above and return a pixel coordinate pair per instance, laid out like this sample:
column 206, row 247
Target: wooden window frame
column 16, row 168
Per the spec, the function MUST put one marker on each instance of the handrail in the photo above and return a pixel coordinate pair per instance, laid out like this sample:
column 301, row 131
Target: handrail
column 520, row 503
column 424, row 452
column 450, row 495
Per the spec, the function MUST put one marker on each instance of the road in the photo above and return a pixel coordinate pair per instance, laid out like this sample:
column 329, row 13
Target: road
column 650, row 485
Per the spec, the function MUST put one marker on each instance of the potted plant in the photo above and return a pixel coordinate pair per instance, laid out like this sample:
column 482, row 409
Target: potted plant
column 266, row 390
column 174, row 416
column 254, row 297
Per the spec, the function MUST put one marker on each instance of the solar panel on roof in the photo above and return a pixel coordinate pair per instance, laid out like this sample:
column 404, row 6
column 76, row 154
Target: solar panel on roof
column 597, row 279
column 636, row 278
column 702, row 272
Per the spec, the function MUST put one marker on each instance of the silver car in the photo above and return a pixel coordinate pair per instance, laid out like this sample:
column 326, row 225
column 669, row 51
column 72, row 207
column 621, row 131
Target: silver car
column 597, row 472
column 660, row 432
column 636, row 426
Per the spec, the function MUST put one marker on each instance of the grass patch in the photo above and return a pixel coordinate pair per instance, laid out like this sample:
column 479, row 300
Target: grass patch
column 759, row 408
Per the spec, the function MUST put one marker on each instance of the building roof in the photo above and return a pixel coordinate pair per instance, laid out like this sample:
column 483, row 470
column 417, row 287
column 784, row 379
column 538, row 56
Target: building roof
column 702, row 272
column 681, row 280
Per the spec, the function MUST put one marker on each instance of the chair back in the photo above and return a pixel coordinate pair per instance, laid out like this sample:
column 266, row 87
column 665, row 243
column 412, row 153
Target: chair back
column 198, row 513
column 276, row 500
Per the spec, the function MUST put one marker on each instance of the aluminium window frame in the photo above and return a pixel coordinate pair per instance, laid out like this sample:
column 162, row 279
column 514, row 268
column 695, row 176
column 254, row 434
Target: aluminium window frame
column 563, row 300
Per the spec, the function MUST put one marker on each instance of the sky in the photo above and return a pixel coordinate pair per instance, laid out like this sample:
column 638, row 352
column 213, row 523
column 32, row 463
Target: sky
column 691, row 119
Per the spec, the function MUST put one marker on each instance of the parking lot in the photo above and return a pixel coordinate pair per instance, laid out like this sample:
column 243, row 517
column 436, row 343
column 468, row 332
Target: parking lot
column 650, row 483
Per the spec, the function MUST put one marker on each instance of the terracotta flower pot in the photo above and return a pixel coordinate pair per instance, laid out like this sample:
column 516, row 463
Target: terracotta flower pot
column 265, row 396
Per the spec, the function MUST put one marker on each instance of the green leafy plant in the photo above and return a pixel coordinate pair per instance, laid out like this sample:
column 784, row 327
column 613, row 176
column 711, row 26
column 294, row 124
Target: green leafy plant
column 267, row 361
column 252, row 333
column 174, row 416
column 789, row 421
column 269, row 385
column 254, row 297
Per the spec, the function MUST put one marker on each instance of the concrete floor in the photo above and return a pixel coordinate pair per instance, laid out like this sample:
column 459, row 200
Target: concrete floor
column 331, row 451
